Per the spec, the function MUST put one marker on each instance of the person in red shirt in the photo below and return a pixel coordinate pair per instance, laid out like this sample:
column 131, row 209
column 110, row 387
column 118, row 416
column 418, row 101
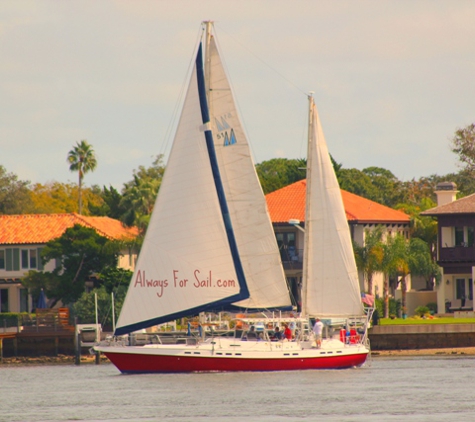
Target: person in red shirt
column 287, row 332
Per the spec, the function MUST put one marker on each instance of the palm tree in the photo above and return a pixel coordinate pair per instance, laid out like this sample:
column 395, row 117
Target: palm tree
column 81, row 159
column 404, row 257
column 368, row 257
column 138, row 199
column 391, row 261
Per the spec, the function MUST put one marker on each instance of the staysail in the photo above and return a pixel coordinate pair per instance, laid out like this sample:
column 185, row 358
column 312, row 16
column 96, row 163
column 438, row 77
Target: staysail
column 209, row 243
column 331, row 286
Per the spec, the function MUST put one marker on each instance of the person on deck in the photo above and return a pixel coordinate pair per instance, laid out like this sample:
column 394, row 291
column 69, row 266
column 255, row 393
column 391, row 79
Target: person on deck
column 251, row 334
column 287, row 332
column 277, row 334
column 317, row 330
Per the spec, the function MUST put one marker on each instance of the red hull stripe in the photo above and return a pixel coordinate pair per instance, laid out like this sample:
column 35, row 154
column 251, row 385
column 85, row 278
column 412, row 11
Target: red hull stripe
column 132, row 363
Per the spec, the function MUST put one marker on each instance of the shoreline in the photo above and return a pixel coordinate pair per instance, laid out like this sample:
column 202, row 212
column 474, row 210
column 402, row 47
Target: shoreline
column 443, row 351
column 91, row 359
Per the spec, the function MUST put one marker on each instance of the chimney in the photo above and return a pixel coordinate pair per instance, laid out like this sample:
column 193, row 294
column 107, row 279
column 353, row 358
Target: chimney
column 446, row 192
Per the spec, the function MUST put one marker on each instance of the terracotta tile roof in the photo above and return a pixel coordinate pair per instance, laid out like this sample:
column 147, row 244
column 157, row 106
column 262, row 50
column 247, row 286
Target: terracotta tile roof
column 289, row 202
column 460, row 206
column 41, row 228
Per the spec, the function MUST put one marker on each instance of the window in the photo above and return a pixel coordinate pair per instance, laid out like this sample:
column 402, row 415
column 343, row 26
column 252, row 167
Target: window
column 459, row 236
column 33, row 258
column 287, row 246
column 460, row 288
column 29, row 258
column 2, row 259
column 24, row 258
column 3, row 300
column 470, row 236
column 464, row 288
column 23, row 300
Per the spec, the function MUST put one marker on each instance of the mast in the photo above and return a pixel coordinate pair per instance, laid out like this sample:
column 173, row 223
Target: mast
column 310, row 140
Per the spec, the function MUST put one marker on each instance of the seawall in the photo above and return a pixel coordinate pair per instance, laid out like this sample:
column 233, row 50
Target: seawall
column 431, row 336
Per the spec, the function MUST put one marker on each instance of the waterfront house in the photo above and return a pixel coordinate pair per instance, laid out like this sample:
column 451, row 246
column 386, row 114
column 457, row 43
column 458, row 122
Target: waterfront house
column 288, row 204
column 22, row 238
column 455, row 249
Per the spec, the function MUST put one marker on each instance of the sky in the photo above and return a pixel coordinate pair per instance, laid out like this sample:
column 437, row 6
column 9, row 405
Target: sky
column 393, row 80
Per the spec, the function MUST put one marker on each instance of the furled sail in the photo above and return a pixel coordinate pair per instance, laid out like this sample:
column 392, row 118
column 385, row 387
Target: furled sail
column 331, row 284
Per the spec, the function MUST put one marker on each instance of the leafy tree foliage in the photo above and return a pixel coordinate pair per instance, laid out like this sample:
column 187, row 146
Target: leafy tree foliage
column 113, row 280
column 424, row 228
column 369, row 256
column 83, row 160
column 110, row 204
column 279, row 172
column 357, row 182
column 463, row 144
column 138, row 195
column 387, row 186
column 374, row 183
column 55, row 197
column 80, row 253
column 14, row 194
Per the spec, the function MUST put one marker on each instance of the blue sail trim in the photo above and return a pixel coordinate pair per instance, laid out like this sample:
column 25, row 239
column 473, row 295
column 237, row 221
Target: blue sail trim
column 225, row 303
column 244, row 294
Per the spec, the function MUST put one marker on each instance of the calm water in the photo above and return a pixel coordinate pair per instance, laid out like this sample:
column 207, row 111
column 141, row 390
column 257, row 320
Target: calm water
column 388, row 389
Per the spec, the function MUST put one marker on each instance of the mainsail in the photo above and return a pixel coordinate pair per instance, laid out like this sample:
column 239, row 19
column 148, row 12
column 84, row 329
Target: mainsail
column 209, row 243
column 331, row 286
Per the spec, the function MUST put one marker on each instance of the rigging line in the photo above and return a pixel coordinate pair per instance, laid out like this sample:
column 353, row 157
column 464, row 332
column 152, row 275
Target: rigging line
column 264, row 62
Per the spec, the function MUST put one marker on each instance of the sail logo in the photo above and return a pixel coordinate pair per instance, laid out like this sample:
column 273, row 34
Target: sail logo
column 178, row 281
column 225, row 132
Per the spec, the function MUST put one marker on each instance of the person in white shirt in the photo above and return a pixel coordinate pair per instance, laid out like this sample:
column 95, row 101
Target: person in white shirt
column 317, row 329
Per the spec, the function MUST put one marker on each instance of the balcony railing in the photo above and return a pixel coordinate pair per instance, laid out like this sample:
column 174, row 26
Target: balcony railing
column 457, row 254
column 292, row 258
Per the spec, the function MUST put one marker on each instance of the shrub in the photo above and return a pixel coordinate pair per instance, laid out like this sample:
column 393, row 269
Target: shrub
column 432, row 307
column 422, row 310
column 394, row 306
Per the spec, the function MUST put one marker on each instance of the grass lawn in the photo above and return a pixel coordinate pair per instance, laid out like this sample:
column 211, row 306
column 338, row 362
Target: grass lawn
column 420, row 321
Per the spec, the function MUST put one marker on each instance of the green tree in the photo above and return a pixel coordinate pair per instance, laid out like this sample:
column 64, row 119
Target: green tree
column 139, row 195
column 387, row 186
column 390, row 264
column 279, row 172
column 368, row 257
column 85, row 310
column 463, row 144
column 112, row 280
column 425, row 229
column 110, row 204
column 355, row 181
column 14, row 194
column 138, row 201
column 83, row 160
column 80, row 254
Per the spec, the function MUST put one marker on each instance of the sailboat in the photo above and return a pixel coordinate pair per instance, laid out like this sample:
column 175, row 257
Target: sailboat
column 210, row 247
